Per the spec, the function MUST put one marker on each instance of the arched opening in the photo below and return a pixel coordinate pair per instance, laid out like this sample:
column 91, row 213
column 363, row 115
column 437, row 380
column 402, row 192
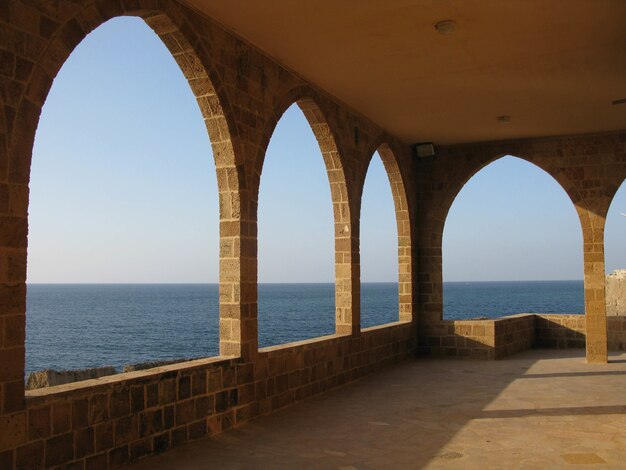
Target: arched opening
column 378, row 249
column 615, row 256
column 124, row 228
column 296, row 254
column 512, row 244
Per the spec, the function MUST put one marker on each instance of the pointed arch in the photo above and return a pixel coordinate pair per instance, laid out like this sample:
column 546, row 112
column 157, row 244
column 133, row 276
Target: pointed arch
column 459, row 181
column 180, row 39
column 403, row 224
column 346, row 282
column 167, row 21
column 524, row 200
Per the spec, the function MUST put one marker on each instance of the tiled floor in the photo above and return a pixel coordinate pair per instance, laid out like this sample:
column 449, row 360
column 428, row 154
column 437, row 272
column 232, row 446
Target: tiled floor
column 542, row 409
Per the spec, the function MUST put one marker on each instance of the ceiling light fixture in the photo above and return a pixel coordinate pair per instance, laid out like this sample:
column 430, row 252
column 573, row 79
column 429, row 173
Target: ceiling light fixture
column 445, row 27
column 504, row 119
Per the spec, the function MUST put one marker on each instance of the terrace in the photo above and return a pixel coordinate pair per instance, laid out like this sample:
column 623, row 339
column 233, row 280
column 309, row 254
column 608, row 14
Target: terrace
column 541, row 80
column 538, row 409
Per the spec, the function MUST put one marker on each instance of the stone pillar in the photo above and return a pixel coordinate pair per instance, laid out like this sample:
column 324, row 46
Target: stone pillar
column 595, row 301
column 238, row 277
column 347, row 280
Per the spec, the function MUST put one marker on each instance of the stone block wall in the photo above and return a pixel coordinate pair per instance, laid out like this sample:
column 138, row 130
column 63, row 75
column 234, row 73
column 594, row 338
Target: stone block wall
column 114, row 420
column 513, row 334
column 478, row 339
column 617, row 333
column 471, row 339
column 560, row 331
column 502, row 337
column 589, row 168
column 568, row 331
column 616, row 293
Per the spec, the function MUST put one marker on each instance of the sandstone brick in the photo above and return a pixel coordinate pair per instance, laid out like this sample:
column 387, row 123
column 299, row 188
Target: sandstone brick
column 179, row 436
column 152, row 395
column 185, row 412
column 6, row 459
column 61, row 417
column 119, row 456
column 168, row 391
column 14, row 331
column 103, row 436
column 137, row 398
column 97, row 462
column 161, row 443
column 30, row 456
column 13, row 396
column 98, row 408
column 150, row 423
column 39, row 423
column 140, row 448
column 12, row 364
column 120, row 402
column 126, row 430
column 59, row 449
column 80, row 413
column 184, row 387
column 84, row 442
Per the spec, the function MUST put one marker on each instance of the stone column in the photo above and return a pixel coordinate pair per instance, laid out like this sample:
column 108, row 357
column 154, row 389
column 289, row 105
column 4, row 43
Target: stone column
column 347, row 280
column 238, row 277
column 595, row 301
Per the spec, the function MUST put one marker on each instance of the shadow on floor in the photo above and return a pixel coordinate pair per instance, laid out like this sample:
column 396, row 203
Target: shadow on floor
column 428, row 413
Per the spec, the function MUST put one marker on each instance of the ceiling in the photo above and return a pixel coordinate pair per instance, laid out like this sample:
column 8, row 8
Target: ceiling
column 554, row 66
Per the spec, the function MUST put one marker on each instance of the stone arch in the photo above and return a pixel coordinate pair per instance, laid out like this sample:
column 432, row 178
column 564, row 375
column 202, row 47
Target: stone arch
column 177, row 35
column 457, row 180
column 403, row 223
column 167, row 20
column 346, row 243
column 532, row 166
column 461, row 180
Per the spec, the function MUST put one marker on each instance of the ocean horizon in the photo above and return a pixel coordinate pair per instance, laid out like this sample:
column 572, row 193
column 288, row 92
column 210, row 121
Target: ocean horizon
column 84, row 325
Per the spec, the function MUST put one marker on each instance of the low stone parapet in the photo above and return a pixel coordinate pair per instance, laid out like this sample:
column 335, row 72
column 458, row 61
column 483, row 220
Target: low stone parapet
column 478, row 338
column 51, row 377
column 152, row 364
column 561, row 331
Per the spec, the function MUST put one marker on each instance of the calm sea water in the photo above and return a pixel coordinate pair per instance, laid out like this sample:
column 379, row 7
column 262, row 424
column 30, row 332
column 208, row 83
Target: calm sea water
column 72, row 326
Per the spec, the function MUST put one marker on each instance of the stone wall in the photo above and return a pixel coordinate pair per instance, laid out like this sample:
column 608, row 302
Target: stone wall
column 568, row 331
column 616, row 293
column 589, row 168
column 502, row 337
column 617, row 333
column 514, row 334
column 560, row 331
column 478, row 339
column 113, row 420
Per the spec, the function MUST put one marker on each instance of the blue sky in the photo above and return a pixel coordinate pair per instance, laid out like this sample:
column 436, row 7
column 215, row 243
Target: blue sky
column 121, row 148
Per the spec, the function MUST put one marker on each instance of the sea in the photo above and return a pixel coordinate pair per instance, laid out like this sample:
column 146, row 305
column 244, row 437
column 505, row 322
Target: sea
column 76, row 326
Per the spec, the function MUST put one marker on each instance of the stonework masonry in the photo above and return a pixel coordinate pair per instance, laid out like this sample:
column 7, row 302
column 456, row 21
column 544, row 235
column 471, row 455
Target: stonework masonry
column 590, row 168
column 616, row 293
column 242, row 94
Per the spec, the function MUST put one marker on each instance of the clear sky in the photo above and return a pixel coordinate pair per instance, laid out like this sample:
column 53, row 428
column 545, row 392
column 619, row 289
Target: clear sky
column 121, row 148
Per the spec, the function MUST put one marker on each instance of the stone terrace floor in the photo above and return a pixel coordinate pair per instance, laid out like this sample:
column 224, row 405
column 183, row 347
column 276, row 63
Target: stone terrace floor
column 539, row 409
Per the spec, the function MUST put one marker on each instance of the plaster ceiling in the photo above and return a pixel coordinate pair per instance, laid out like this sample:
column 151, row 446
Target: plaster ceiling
column 554, row 66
